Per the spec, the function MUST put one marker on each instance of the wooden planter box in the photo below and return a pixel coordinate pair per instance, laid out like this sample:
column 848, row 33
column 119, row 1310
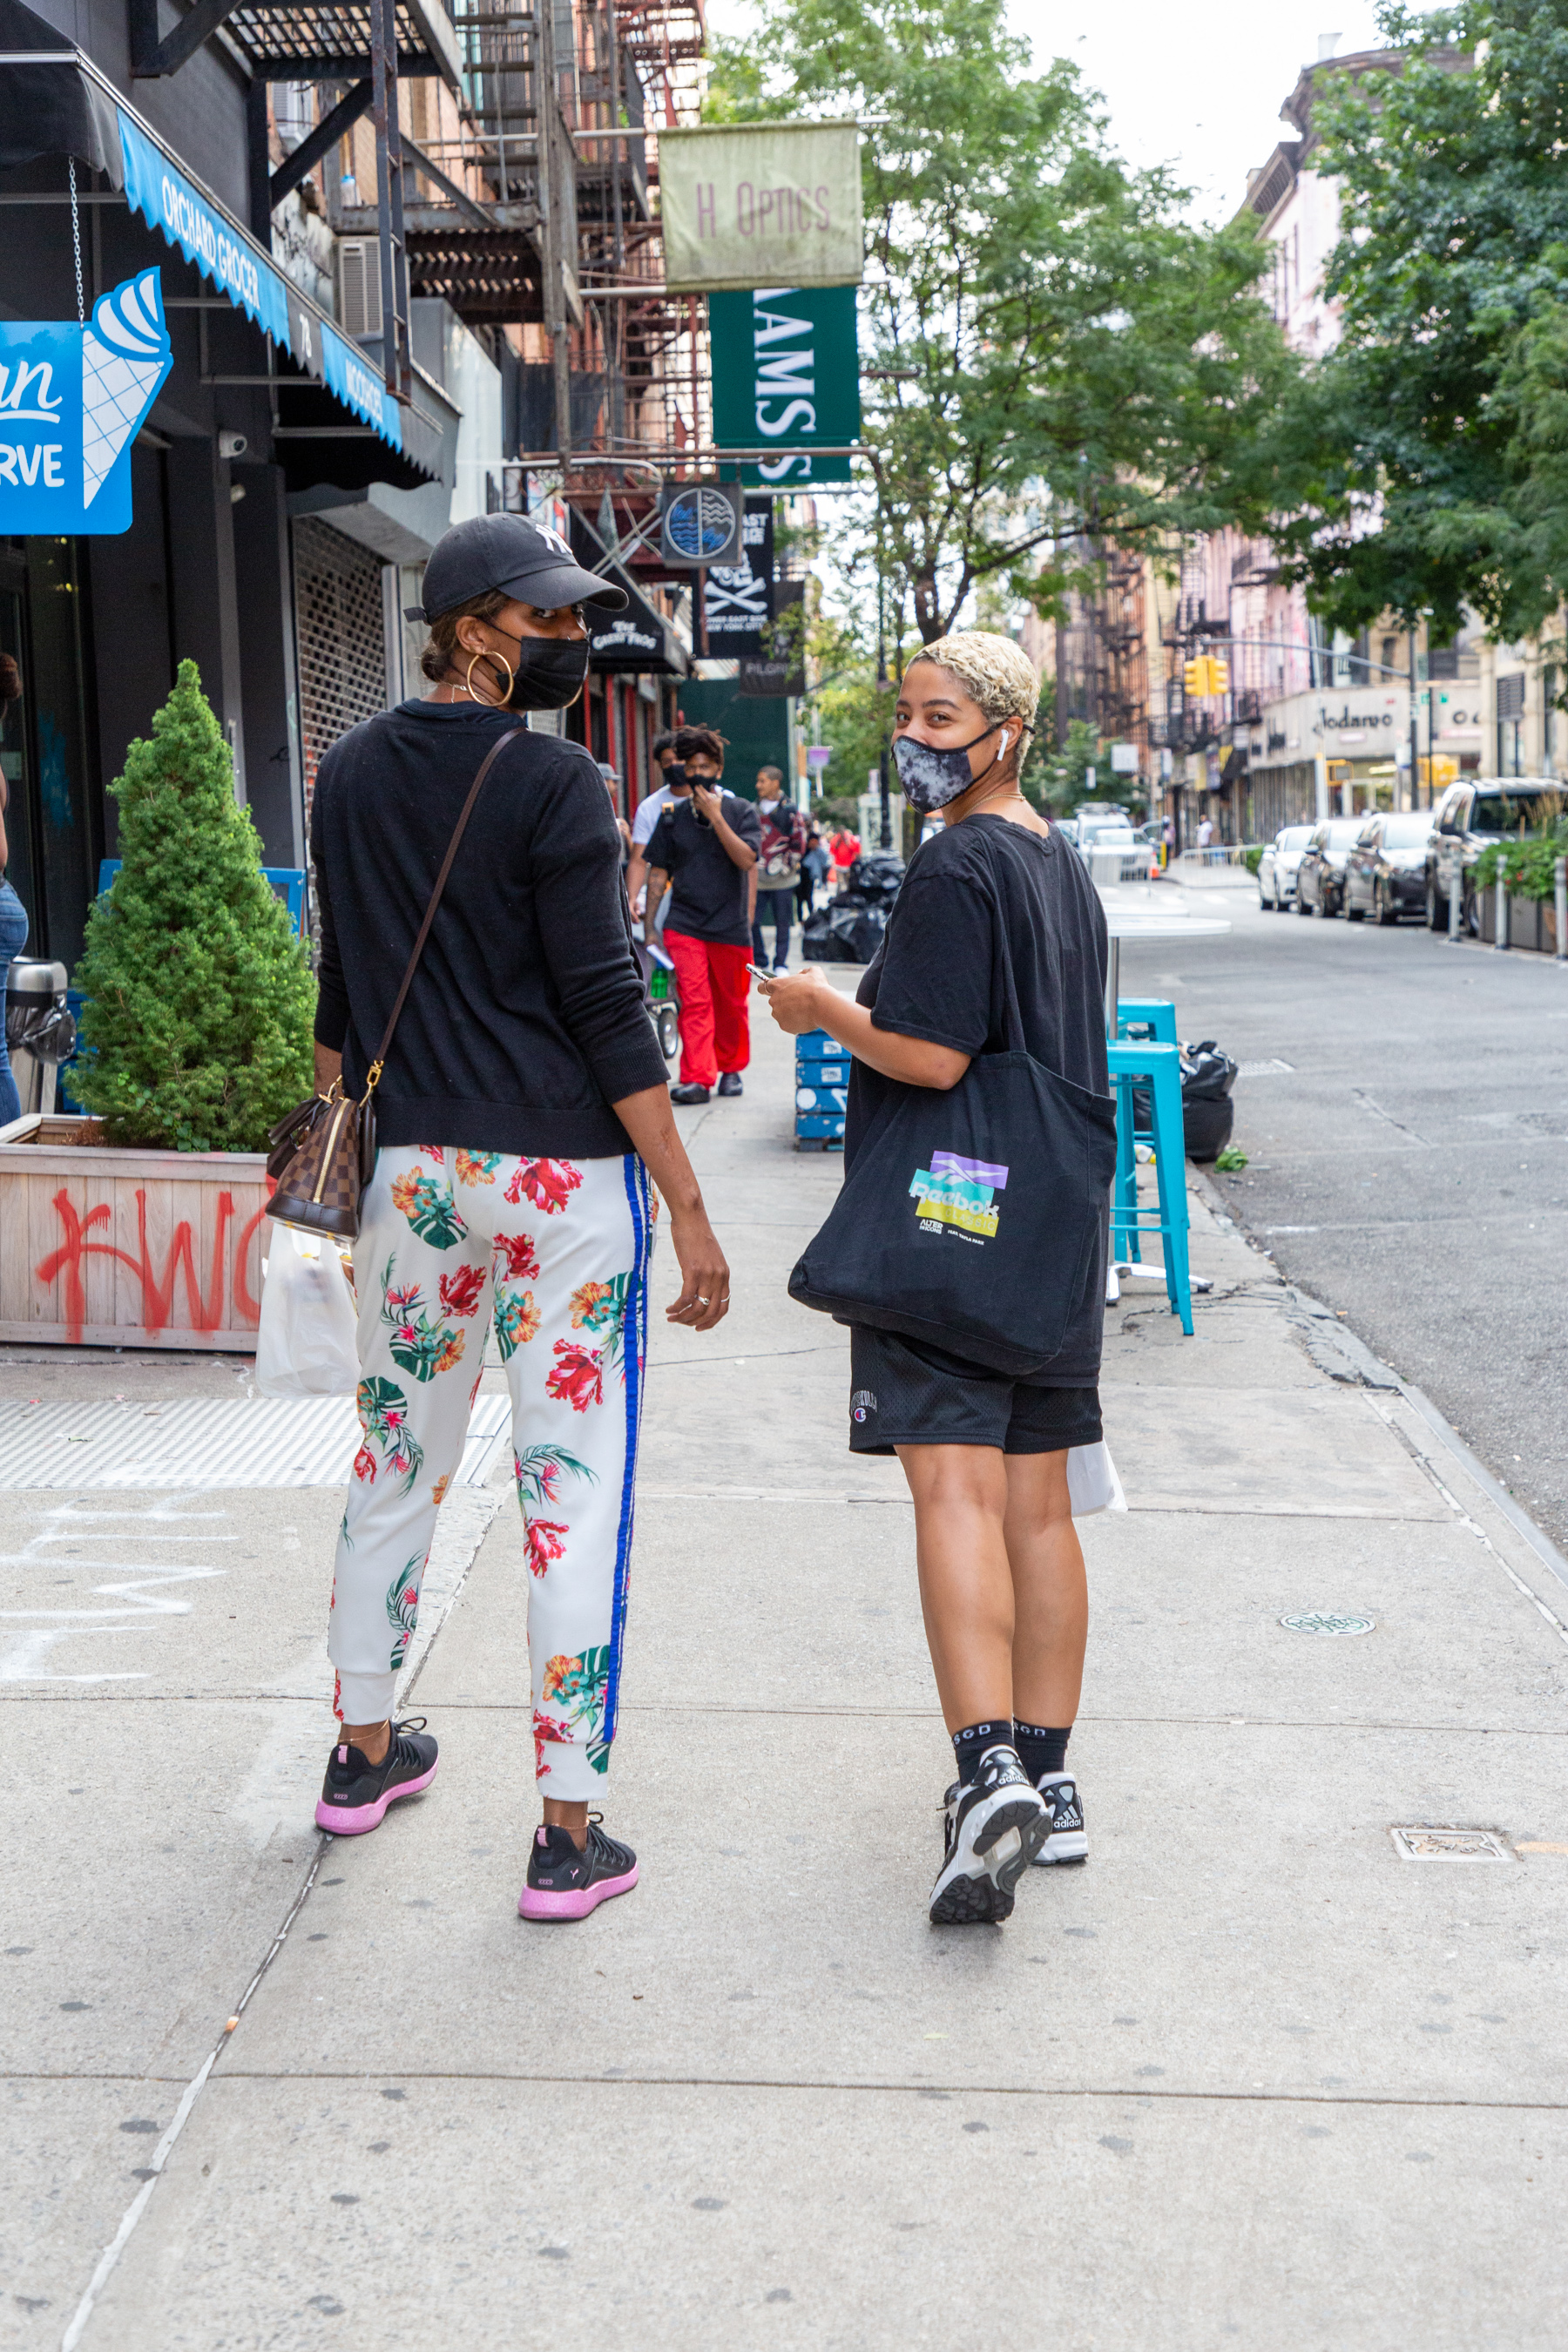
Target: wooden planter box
column 105, row 1247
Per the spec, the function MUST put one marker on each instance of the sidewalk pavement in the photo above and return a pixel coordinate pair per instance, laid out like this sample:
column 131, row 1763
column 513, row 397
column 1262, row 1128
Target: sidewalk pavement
column 1248, row 2076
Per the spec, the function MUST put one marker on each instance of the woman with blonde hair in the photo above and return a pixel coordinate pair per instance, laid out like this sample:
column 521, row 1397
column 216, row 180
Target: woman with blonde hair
column 992, row 964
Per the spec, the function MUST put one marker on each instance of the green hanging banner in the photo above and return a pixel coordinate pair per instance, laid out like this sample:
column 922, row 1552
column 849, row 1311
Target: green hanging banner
column 786, row 375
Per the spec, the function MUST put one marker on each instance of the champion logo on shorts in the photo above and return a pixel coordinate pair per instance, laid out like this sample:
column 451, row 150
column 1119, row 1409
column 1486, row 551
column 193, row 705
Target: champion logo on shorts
column 958, row 1193
column 862, row 1402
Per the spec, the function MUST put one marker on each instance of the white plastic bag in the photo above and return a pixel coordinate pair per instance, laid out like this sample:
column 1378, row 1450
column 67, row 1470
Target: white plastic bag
column 306, row 1345
column 1092, row 1481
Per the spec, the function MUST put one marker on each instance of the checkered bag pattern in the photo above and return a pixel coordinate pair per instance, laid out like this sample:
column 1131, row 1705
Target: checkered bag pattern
column 322, row 1185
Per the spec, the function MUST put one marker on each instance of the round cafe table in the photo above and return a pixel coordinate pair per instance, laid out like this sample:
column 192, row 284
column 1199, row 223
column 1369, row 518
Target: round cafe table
column 1128, row 917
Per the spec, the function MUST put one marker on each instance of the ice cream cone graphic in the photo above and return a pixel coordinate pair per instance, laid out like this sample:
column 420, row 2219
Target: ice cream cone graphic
column 125, row 356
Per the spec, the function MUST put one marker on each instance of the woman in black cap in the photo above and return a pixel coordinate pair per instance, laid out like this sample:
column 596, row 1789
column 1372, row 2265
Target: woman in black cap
column 523, row 1112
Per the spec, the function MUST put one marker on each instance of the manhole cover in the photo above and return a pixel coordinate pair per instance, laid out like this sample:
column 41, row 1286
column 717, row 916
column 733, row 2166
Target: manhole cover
column 1326, row 1620
column 1422, row 1842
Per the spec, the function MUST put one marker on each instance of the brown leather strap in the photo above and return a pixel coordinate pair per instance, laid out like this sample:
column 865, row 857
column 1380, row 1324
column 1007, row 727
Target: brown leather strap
column 486, row 764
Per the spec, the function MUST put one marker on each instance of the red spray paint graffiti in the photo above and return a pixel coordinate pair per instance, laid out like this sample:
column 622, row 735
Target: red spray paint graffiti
column 157, row 1290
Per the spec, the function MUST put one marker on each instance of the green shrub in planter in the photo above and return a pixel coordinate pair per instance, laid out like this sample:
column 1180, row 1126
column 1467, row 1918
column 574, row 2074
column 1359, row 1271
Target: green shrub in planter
column 200, row 1001
column 1528, row 865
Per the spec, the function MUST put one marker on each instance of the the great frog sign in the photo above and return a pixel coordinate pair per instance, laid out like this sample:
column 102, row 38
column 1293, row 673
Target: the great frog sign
column 72, row 400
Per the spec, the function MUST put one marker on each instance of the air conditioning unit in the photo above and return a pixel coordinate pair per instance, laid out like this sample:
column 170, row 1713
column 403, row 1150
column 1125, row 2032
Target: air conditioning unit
column 359, row 284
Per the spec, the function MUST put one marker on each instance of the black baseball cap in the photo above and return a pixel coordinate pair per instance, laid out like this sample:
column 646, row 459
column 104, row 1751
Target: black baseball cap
column 524, row 560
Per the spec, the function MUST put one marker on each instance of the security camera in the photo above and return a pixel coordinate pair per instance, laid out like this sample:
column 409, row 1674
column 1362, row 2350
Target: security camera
column 232, row 445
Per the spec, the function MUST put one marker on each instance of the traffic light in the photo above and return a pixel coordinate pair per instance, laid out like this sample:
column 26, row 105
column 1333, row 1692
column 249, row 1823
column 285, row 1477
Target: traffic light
column 1204, row 674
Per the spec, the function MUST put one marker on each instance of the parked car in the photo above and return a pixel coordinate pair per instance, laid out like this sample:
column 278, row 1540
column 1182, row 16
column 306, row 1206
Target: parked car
column 1320, row 875
column 1387, row 872
column 1471, row 816
column 1276, row 866
column 1109, row 849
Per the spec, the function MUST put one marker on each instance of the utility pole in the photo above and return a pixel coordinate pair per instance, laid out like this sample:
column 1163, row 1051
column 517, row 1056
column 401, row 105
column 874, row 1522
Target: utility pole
column 1414, row 728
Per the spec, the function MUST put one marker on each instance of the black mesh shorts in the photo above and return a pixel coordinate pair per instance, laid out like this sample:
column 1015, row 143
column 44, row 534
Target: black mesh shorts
column 902, row 1392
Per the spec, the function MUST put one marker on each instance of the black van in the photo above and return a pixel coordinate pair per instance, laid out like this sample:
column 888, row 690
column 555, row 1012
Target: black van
column 1470, row 817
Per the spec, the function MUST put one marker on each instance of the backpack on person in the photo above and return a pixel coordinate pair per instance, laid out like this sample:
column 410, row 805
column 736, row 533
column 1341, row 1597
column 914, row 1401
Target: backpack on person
column 784, row 846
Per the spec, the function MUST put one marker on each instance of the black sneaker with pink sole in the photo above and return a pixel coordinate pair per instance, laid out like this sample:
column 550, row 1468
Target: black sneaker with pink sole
column 356, row 1793
column 566, row 1882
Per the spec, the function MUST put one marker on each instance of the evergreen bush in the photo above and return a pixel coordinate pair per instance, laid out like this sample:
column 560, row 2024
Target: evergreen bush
column 200, row 1002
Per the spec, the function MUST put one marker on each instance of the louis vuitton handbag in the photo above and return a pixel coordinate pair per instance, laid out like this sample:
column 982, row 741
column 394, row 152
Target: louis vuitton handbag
column 323, row 1154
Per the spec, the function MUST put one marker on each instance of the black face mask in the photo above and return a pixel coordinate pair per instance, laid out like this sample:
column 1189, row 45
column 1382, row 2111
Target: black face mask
column 550, row 672
column 675, row 774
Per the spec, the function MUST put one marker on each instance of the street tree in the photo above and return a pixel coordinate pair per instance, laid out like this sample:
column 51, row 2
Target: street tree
column 1059, row 357
column 1437, row 428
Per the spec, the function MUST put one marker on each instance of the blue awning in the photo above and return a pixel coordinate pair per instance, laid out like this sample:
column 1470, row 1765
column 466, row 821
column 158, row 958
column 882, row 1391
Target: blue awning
column 211, row 240
column 167, row 200
column 54, row 100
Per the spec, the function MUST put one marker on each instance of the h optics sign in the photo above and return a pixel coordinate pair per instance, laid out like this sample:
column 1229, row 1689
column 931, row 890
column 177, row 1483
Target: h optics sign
column 786, row 374
column 71, row 403
column 752, row 205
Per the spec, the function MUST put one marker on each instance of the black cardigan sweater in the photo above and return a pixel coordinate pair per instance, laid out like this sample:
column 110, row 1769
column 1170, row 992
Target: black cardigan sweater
column 526, row 1018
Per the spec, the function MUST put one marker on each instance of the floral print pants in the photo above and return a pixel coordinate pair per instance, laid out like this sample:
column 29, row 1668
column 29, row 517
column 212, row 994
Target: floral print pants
column 555, row 1253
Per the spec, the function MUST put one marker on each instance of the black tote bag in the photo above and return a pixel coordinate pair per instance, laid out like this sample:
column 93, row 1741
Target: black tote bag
column 972, row 1218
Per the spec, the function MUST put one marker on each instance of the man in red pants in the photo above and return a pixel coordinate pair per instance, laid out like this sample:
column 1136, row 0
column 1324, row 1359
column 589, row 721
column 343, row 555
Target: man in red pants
column 703, row 849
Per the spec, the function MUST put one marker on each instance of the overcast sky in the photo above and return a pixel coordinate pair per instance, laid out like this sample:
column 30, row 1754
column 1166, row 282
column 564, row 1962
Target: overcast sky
column 1200, row 88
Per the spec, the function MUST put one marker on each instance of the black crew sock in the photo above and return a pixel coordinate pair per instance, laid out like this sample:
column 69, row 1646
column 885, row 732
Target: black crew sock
column 1041, row 1751
column 970, row 1744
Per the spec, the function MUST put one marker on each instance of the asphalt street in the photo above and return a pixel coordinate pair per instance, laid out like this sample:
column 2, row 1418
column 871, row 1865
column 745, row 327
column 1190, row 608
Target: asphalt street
column 1407, row 1168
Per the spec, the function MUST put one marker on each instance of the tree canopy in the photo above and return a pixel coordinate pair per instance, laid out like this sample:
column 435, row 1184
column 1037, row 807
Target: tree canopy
column 1436, row 433
column 1057, row 357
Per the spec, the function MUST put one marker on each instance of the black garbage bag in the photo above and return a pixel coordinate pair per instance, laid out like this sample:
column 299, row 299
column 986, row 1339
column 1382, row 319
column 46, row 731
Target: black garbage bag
column 1208, row 1113
column 877, row 875
column 843, row 934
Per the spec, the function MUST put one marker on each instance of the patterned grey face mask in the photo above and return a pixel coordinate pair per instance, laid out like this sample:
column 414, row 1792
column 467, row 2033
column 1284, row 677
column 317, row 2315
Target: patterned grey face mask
column 929, row 778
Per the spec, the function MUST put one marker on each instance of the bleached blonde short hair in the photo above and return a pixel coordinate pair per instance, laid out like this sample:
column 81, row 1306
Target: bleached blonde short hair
column 997, row 673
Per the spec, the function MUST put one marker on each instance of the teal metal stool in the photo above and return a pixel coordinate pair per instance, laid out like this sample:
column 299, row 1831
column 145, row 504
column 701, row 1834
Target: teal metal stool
column 1156, row 1015
column 1156, row 1065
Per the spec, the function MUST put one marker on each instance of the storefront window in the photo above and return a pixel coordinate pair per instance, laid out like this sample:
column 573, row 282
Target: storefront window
column 54, row 845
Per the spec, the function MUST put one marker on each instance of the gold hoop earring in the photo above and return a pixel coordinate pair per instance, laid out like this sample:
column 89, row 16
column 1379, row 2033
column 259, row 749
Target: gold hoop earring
column 485, row 654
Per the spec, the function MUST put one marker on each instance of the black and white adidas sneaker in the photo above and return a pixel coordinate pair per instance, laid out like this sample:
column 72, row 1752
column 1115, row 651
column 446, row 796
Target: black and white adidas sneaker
column 994, row 1825
column 1069, row 1841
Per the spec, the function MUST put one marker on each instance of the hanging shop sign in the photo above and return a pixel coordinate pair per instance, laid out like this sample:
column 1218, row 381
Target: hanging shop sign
column 744, row 205
column 72, row 399
column 738, row 598
column 780, row 667
column 699, row 522
column 786, row 374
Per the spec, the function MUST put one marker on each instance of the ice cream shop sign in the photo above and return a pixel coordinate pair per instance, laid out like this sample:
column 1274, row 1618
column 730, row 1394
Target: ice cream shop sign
column 72, row 399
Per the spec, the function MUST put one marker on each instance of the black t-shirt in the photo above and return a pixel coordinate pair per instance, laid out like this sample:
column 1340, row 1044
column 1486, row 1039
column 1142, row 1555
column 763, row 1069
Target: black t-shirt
column 941, row 973
column 709, row 894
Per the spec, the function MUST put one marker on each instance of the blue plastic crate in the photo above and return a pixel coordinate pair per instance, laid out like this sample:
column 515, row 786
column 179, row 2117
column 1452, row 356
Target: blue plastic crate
column 816, row 1045
column 816, row 1127
column 829, row 1099
column 288, row 884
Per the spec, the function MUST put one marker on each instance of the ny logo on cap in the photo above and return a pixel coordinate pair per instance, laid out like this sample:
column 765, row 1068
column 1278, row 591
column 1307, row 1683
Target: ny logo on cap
column 554, row 539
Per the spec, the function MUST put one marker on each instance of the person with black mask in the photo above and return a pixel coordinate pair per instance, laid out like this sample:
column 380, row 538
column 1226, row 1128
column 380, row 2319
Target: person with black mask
column 523, row 1119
